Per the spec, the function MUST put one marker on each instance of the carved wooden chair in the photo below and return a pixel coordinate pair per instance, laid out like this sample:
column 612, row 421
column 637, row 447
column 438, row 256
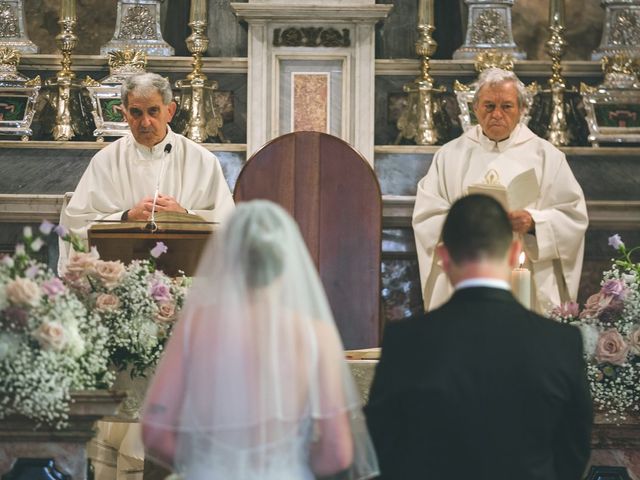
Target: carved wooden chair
column 333, row 194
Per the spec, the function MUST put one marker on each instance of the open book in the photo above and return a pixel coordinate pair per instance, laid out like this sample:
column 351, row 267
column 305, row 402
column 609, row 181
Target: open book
column 168, row 222
column 522, row 190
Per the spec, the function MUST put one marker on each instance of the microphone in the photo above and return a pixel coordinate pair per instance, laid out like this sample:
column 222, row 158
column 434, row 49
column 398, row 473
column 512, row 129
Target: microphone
column 152, row 224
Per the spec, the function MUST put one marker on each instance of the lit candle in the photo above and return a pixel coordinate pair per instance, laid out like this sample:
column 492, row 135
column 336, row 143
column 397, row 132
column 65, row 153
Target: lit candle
column 425, row 12
column 68, row 10
column 521, row 283
column 198, row 10
column 556, row 12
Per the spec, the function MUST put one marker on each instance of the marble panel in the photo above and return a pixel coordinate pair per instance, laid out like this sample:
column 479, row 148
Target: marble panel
column 310, row 102
column 399, row 174
column 607, row 177
column 21, row 170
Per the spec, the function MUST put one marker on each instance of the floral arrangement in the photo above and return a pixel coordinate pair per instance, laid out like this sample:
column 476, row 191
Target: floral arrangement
column 610, row 325
column 50, row 343
column 137, row 304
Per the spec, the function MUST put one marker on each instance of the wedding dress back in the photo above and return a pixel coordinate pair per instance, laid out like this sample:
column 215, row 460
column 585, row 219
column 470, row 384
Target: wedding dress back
column 255, row 365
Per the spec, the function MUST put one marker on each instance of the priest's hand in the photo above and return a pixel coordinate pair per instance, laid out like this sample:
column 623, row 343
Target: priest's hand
column 141, row 211
column 522, row 221
column 167, row 203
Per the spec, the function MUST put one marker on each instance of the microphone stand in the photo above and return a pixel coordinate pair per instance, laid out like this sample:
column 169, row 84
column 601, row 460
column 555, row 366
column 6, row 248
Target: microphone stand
column 153, row 226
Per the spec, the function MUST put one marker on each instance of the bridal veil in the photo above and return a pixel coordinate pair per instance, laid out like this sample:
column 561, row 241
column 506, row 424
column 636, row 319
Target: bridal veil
column 253, row 383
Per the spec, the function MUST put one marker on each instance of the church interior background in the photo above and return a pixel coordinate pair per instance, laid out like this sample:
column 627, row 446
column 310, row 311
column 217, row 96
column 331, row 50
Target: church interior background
column 374, row 49
column 352, row 60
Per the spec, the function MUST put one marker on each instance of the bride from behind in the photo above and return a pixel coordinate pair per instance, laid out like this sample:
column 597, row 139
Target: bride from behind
column 253, row 383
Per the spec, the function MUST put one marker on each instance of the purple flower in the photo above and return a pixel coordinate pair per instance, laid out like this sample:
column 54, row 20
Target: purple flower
column 616, row 242
column 61, row 231
column 615, row 288
column 53, row 287
column 32, row 272
column 160, row 292
column 16, row 318
column 46, row 227
column 159, row 249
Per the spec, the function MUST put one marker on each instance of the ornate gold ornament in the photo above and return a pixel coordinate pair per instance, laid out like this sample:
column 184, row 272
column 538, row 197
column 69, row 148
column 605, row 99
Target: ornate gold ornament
column 18, row 96
column 613, row 107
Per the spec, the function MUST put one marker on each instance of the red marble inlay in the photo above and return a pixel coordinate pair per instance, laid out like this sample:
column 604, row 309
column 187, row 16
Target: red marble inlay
column 310, row 102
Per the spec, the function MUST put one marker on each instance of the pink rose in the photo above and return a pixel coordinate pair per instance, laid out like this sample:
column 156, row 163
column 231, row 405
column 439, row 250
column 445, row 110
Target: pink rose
column 51, row 336
column 611, row 348
column 23, row 291
column 109, row 273
column 634, row 340
column 81, row 263
column 166, row 312
column 595, row 304
column 106, row 302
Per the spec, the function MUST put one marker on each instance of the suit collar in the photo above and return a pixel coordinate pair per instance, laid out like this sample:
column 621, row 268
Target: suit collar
column 482, row 294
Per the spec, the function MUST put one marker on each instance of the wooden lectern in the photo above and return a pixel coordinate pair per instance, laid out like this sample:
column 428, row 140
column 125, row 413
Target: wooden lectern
column 185, row 236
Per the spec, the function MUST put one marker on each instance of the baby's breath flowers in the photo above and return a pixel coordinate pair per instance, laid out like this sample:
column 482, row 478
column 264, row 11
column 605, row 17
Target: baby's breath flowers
column 50, row 344
column 610, row 326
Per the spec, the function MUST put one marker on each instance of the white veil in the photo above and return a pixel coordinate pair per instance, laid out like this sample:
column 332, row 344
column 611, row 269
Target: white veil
column 253, row 383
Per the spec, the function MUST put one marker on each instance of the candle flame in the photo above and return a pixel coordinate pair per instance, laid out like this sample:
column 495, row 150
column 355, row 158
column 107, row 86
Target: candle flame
column 521, row 259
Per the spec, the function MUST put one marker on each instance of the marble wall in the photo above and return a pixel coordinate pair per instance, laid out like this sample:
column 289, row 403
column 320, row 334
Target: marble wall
column 395, row 39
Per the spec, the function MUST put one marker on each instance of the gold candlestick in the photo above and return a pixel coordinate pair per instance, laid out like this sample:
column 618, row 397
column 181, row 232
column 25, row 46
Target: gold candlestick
column 198, row 11
column 66, row 41
column 556, row 12
column 197, row 92
column 558, row 133
column 68, row 10
column 417, row 120
column 425, row 12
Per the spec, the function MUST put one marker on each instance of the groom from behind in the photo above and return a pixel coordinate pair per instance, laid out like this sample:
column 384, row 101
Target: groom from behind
column 480, row 388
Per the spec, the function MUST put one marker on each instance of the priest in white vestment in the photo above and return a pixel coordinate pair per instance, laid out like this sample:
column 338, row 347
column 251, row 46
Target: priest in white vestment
column 121, row 180
column 552, row 227
column 152, row 168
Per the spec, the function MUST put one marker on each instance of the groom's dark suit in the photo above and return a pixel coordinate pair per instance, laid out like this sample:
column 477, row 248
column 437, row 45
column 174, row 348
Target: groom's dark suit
column 481, row 389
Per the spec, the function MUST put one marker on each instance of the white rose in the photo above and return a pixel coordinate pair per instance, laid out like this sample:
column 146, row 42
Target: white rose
column 75, row 343
column 3, row 297
column 9, row 344
column 109, row 273
column 51, row 336
column 23, row 291
column 590, row 335
column 106, row 302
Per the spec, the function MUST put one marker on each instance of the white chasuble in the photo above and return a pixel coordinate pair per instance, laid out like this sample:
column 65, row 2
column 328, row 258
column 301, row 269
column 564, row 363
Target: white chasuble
column 125, row 172
column 554, row 252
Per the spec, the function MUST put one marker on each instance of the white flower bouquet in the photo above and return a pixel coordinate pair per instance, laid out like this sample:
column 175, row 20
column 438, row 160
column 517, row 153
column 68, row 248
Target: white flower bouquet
column 50, row 343
column 610, row 325
column 136, row 303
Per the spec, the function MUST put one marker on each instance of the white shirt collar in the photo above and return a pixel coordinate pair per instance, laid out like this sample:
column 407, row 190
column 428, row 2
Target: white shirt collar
column 157, row 149
column 500, row 146
column 483, row 282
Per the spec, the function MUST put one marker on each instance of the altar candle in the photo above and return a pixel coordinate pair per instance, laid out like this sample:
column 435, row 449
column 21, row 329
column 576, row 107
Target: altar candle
column 198, row 10
column 425, row 12
column 68, row 10
column 521, row 283
column 556, row 12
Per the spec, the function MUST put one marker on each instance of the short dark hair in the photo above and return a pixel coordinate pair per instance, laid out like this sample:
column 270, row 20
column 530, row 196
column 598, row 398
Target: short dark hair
column 477, row 227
